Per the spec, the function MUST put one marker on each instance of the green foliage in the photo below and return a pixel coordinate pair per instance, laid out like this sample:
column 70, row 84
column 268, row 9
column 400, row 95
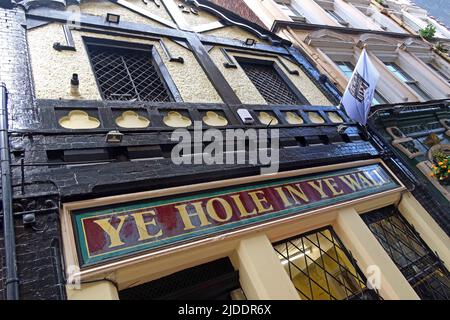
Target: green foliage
column 441, row 168
column 428, row 32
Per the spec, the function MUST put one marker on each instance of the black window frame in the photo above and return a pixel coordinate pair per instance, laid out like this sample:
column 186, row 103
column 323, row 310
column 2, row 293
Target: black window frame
column 408, row 256
column 295, row 91
column 366, row 293
column 156, row 60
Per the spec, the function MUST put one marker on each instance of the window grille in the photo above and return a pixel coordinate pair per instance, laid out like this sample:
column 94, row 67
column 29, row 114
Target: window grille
column 420, row 266
column 127, row 74
column 321, row 268
column 270, row 84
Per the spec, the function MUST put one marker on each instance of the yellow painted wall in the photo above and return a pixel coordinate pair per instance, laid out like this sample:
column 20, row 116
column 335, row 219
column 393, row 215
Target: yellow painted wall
column 202, row 17
column 54, row 83
column 101, row 7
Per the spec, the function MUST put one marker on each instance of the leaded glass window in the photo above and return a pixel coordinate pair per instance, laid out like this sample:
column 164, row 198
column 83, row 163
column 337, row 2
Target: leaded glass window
column 321, row 268
column 420, row 266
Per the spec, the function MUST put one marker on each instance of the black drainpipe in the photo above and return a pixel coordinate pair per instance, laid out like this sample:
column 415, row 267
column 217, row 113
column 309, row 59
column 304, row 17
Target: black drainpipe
column 12, row 281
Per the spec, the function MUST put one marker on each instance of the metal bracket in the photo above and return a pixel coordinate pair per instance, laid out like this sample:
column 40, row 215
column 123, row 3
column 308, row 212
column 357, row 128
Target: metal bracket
column 230, row 63
column 169, row 54
column 70, row 44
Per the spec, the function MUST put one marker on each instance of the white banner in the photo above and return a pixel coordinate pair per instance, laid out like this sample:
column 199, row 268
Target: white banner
column 358, row 95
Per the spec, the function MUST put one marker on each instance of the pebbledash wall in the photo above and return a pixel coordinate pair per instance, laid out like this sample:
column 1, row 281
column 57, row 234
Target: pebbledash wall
column 53, row 187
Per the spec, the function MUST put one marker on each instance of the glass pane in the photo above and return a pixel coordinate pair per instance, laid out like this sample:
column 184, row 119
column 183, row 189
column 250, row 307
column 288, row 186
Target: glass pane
column 399, row 73
column 420, row 266
column 439, row 71
column 337, row 17
column 321, row 268
column 420, row 91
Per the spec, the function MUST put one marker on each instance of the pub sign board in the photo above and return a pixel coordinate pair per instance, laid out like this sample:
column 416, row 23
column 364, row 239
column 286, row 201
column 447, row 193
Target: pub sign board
column 117, row 231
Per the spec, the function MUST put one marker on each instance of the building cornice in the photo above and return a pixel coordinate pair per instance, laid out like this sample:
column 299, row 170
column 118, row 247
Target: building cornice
column 296, row 25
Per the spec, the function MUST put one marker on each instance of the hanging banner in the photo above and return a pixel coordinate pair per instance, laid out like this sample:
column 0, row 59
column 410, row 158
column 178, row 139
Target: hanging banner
column 115, row 231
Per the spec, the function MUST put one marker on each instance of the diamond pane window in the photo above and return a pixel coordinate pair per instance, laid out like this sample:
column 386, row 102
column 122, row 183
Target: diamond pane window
column 127, row 74
column 270, row 84
column 420, row 266
column 321, row 268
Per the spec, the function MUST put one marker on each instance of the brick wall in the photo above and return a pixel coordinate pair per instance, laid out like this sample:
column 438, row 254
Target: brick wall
column 240, row 8
column 37, row 248
column 15, row 68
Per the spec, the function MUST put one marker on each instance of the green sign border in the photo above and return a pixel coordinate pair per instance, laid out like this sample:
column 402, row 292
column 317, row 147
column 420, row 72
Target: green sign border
column 78, row 215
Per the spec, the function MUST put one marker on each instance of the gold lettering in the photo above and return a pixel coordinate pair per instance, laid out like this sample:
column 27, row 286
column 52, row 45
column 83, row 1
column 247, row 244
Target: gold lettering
column 297, row 193
column 113, row 233
column 186, row 216
column 331, row 183
column 260, row 202
column 142, row 225
column 319, row 188
column 243, row 212
column 351, row 182
column 213, row 213
column 283, row 197
column 364, row 180
column 382, row 181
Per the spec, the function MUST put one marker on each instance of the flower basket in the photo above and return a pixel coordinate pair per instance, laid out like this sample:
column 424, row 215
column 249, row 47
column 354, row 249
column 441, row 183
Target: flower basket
column 441, row 168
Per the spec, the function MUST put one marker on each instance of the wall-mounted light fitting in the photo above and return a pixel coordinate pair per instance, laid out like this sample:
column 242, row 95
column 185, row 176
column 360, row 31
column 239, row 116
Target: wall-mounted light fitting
column 112, row 18
column 245, row 116
column 250, row 42
column 114, row 136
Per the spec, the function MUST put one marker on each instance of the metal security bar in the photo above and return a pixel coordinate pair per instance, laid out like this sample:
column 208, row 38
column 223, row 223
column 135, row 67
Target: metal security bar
column 270, row 84
column 420, row 266
column 127, row 74
column 321, row 268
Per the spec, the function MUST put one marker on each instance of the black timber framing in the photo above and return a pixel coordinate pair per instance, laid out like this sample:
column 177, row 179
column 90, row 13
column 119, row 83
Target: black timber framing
column 199, row 42
column 219, row 82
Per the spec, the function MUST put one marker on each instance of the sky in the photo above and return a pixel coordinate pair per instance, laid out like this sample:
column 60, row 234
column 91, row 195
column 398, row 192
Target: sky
column 440, row 9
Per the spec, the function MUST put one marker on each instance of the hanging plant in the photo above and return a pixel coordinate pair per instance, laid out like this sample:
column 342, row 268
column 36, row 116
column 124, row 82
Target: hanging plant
column 441, row 168
column 428, row 32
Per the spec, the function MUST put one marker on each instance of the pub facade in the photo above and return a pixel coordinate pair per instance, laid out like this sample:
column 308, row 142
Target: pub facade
column 99, row 208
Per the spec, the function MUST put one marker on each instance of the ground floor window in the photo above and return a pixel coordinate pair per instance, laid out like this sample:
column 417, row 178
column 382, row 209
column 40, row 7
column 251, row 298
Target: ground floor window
column 418, row 263
column 321, row 268
column 216, row 280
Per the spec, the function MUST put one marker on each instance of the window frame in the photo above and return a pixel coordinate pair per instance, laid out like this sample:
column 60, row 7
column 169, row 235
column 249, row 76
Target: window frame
column 413, row 84
column 377, row 97
column 156, row 60
column 441, row 73
column 336, row 17
column 302, row 99
column 337, row 242
column 291, row 11
column 415, row 244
